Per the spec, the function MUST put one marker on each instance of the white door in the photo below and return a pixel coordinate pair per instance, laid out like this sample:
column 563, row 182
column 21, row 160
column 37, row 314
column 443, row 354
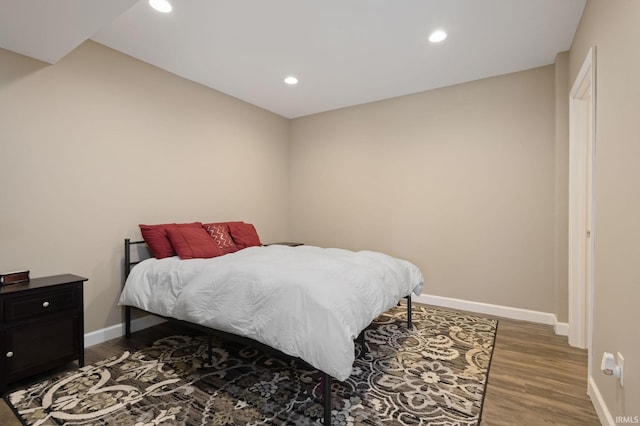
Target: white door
column 581, row 204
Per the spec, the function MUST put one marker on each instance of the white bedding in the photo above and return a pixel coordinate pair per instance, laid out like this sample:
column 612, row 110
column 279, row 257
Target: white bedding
column 305, row 301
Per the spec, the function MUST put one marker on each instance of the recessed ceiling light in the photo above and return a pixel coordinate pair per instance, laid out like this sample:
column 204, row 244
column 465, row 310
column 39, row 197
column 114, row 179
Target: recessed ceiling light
column 437, row 36
column 291, row 80
column 161, row 5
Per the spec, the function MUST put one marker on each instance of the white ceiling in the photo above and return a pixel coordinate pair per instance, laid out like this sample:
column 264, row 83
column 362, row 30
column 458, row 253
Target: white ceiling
column 344, row 52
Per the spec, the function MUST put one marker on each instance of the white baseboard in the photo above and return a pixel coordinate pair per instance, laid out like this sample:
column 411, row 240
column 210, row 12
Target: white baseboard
column 560, row 328
column 108, row 333
column 598, row 403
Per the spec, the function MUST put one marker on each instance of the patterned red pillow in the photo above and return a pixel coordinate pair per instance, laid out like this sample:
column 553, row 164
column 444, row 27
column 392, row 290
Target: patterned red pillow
column 220, row 234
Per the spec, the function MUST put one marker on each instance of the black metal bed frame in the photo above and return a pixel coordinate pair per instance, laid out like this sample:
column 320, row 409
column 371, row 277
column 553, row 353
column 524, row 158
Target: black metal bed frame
column 325, row 379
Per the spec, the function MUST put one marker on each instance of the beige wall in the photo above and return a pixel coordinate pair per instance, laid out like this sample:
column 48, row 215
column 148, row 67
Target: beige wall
column 100, row 142
column 613, row 28
column 459, row 180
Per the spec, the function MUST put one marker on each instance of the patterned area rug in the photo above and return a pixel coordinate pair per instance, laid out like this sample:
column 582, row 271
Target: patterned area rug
column 434, row 374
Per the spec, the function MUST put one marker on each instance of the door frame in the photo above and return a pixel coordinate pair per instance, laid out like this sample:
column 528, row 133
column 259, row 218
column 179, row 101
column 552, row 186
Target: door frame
column 582, row 132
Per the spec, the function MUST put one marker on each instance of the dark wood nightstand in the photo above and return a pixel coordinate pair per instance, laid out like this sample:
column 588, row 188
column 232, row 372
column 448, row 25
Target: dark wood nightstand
column 41, row 326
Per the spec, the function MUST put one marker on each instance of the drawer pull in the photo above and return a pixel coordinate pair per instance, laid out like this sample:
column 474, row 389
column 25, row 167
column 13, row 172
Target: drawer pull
column 45, row 305
column 9, row 354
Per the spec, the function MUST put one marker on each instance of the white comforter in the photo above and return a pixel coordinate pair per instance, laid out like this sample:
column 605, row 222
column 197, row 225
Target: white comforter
column 305, row 301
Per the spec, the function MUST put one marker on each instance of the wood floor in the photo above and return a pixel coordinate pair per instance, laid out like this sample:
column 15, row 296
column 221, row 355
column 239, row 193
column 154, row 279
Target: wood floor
column 535, row 379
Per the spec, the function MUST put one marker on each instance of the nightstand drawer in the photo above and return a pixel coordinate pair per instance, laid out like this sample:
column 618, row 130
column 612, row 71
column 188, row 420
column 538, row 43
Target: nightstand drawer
column 40, row 303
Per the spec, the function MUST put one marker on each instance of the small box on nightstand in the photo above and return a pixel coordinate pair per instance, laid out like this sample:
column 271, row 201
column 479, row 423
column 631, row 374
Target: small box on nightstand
column 14, row 277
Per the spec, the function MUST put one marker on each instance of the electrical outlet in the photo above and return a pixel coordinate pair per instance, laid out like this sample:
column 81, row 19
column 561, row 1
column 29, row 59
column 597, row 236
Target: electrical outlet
column 620, row 362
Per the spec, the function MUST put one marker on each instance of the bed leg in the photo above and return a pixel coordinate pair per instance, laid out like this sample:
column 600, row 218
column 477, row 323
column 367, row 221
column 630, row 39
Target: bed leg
column 325, row 383
column 409, row 322
column 127, row 321
column 360, row 339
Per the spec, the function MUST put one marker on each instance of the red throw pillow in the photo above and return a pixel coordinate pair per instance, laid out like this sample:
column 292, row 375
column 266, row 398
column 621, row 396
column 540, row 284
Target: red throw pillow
column 193, row 243
column 244, row 235
column 220, row 234
column 156, row 238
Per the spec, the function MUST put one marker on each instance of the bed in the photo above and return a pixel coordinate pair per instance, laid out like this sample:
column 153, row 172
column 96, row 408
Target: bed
column 305, row 302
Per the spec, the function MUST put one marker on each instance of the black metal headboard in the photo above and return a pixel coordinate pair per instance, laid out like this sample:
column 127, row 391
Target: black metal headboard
column 128, row 263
